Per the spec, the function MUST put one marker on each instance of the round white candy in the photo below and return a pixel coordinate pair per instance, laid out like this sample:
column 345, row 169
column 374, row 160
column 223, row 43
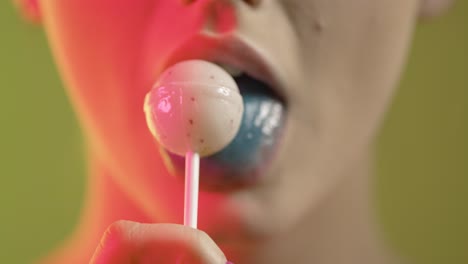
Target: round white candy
column 194, row 106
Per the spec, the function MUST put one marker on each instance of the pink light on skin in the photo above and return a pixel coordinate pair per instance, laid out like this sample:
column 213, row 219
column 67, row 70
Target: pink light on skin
column 108, row 62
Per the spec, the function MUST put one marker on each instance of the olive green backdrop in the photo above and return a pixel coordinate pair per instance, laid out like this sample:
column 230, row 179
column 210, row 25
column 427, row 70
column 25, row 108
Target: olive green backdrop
column 422, row 152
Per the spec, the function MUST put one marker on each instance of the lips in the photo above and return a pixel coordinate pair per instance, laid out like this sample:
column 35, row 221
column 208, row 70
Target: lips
column 235, row 51
column 246, row 160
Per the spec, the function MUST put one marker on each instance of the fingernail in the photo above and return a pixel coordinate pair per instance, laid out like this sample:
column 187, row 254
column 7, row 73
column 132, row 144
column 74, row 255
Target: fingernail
column 229, row 262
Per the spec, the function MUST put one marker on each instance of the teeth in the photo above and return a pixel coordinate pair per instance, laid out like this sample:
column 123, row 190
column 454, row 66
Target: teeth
column 232, row 70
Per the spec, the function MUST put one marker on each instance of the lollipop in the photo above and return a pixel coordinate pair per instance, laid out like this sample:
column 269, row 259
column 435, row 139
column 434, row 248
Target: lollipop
column 194, row 109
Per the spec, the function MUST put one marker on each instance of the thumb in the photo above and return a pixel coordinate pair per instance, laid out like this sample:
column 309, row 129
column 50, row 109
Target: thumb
column 130, row 242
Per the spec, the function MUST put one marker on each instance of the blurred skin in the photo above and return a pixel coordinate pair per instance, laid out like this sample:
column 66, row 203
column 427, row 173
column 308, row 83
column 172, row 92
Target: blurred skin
column 341, row 61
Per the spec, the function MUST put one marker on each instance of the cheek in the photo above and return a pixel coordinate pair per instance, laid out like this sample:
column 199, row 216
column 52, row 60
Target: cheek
column 98, row 48
column 353, row 68
column 349, row 72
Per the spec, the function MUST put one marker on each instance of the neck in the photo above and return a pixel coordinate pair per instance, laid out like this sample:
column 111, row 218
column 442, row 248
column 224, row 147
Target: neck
column 342, row 229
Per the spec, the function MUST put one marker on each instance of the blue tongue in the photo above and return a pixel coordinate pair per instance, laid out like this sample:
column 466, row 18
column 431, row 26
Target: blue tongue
column 255, row 143
column 259, row 131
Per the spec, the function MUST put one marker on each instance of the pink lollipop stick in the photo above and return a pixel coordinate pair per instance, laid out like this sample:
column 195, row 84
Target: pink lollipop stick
column 192, row 171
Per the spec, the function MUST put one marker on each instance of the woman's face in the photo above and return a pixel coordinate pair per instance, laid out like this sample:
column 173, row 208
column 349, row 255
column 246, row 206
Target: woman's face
column 338, row 62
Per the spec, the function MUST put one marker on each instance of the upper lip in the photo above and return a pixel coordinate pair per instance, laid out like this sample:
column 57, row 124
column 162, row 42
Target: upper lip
column 232, row 50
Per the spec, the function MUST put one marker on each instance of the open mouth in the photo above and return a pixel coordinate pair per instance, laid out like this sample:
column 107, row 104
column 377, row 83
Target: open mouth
column 248, row 83
column 247, row 159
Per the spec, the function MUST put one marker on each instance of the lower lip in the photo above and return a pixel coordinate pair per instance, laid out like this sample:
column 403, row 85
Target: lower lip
column 245, row 161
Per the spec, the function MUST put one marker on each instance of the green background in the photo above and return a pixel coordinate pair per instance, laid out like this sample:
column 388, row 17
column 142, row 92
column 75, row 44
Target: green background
column 422, row 152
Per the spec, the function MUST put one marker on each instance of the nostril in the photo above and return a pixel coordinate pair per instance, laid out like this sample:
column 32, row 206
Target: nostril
column 253, row 3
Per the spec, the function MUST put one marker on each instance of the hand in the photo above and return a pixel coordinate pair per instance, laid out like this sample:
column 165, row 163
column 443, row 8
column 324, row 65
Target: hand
column 126, row 242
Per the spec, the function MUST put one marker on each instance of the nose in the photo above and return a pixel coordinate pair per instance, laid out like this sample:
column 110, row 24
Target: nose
column 252, row 3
